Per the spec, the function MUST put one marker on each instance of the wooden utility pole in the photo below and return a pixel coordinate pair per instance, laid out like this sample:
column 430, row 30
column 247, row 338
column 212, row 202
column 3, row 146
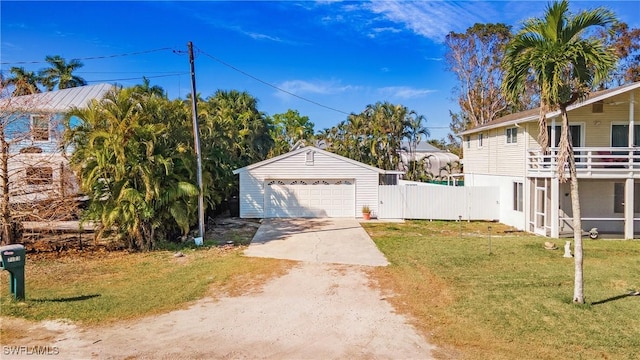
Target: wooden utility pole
column 196, row 143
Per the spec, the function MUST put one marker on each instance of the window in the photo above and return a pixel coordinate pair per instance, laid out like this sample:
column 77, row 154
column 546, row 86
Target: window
column 518, row 196
column 512, row 135
column 620, row 135
column 39, row 175
column 39, row 128
column 618, row 198
column 480, row 139
column 309, row 158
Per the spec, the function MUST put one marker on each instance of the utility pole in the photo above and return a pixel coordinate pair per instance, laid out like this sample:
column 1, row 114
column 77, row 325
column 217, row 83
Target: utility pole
column 196, row 143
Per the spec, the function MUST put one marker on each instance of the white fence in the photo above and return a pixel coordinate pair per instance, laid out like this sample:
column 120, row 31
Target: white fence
column 438, row 202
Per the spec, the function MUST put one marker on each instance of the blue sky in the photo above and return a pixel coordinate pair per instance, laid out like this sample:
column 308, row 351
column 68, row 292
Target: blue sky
column 341, row 55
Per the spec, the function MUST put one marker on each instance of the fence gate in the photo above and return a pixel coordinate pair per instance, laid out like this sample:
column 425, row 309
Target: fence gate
column 438, row 202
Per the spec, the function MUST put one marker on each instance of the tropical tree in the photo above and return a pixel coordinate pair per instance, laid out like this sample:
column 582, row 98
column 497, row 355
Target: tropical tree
column 130, row 168
column 626, row 44
column 233, row 134
column 146, row 88
column 565, row 65
column 375, row 136
column 475, row 57
column 60, row 73
column 287, row 129
column 24, row 82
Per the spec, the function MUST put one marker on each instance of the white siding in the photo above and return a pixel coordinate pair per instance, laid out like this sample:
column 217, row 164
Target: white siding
column 508, row 216
column 252, row 181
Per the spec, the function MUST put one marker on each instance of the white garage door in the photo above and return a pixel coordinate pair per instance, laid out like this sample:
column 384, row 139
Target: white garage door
column 310, row 198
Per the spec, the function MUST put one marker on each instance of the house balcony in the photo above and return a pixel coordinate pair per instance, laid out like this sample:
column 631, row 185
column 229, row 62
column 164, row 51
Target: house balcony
column 591, row 163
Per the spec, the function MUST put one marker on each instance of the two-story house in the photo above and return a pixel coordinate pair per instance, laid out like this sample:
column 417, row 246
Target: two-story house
column 37, row 167
column 606, row 140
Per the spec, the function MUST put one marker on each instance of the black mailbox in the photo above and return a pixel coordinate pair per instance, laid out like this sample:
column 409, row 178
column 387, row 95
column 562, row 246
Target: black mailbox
column 13, row 260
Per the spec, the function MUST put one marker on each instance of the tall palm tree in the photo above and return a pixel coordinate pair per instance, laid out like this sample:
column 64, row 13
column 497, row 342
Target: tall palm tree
column 61, row 73
column 565, row 65
column 24, row 82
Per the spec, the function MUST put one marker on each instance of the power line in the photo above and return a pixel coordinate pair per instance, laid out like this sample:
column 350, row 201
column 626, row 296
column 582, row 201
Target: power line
column 139, row 77
column 90, row 57
column 271, row 85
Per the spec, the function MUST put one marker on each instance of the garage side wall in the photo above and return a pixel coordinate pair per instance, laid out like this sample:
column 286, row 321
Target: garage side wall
column 252, row 181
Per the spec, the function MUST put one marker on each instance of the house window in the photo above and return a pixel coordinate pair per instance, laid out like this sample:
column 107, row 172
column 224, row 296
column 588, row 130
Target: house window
column 309, row 158
column 620, row 135
column 480, row 139
column 518, row 196
column 512, row 135
column 39, row 175
column 618, row 198
column 39, row 128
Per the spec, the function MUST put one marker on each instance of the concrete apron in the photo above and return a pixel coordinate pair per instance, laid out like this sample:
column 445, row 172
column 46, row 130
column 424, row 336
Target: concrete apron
column 322, row 240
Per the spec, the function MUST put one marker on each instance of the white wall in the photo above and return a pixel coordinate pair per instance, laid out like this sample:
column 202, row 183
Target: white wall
column 508, row 216
column 324, row 166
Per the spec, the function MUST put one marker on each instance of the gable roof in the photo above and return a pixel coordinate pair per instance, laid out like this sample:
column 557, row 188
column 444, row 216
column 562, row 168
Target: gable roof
column 320, row 151
column 422, row 146
column 56, row 101
column 534, row 114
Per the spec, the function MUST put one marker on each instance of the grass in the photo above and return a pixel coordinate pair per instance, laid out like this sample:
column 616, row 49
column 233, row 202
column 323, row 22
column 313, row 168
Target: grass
column 514, row 303
column 107, row 286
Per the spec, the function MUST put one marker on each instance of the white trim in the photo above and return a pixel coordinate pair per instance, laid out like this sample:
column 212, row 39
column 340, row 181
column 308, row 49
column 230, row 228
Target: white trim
column 506, row 136
column 480, row 140
column 320, row 151
column 620, row 90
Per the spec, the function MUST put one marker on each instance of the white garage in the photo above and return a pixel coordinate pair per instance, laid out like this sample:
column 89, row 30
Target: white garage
column 309, row 182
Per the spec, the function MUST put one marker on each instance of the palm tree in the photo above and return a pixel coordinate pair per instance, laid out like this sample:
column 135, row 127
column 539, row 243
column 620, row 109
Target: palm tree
column 146, row 88
column 61, row 73
column 565, row 66
column 130, row 167
column 24, row 82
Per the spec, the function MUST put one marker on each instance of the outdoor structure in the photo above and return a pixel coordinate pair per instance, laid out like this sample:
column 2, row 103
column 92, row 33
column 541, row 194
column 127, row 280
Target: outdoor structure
column 32, row 125
column 442, row 164
column 506, row 153
column 310, row 182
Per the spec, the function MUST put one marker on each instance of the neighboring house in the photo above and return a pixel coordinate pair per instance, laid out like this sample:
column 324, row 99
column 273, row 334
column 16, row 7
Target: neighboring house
column 310, row 182
column 32, row 124
column 440, row 163
column 606, row 139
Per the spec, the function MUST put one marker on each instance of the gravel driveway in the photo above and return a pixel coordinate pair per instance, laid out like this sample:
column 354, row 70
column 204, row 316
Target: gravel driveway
column 318, row 310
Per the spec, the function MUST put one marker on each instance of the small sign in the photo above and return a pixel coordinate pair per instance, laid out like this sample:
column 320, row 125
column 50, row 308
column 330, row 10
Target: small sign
column 198, row 241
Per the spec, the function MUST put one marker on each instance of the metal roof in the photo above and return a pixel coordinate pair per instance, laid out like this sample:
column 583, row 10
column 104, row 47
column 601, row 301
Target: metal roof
column 56, row 101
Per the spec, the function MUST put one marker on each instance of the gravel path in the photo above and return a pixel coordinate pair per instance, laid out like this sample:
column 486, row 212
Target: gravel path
column 316, row 311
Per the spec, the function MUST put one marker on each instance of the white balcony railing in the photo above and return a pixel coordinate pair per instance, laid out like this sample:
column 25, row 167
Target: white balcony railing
column 591, row 162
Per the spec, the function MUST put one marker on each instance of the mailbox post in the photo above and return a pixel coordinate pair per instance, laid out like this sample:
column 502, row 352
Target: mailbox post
column 13, row 260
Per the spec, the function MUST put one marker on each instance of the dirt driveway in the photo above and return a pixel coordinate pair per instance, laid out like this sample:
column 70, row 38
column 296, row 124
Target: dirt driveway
column 318, row 310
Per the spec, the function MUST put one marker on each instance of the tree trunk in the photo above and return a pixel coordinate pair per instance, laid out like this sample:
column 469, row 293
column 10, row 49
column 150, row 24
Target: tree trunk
column 5, row 212
column 578, row 285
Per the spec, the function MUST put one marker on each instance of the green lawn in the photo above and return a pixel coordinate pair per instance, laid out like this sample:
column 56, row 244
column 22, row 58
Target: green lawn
column 102, row 287
column 514, row 303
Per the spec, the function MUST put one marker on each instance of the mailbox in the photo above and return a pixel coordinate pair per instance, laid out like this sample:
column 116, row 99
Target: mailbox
column 13, row 259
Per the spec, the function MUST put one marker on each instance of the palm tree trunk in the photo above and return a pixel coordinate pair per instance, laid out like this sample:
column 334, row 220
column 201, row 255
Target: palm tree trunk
column 578, row 285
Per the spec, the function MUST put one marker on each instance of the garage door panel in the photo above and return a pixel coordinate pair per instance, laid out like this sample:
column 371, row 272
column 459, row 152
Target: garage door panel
column 310, row 198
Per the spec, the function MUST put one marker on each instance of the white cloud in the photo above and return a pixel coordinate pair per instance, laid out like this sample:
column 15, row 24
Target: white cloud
column 404, row 92
column 258, row 36
column 433, row 19
column 303, row 87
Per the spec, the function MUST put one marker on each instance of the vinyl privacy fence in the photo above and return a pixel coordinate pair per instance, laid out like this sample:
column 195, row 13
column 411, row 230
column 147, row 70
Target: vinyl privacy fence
column 438, row 202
